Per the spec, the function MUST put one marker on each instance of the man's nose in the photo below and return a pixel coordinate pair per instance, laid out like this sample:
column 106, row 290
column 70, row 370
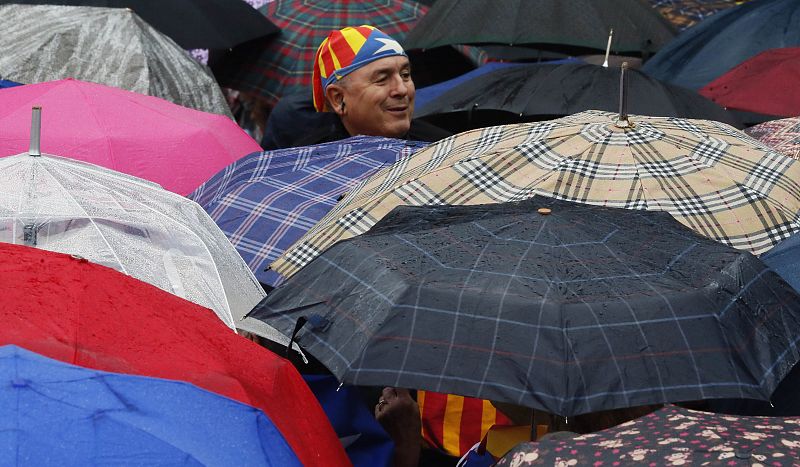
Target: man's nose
column 400, row 86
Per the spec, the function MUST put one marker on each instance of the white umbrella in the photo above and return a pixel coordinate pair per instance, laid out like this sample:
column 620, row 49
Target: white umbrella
column 126, row 223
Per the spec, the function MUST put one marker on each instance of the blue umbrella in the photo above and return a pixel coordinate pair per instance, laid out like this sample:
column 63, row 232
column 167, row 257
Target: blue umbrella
column 60, row 414
column 784, row 258
column 705, row 51
column 428, row 93
column 4, row 83
column 266, row 201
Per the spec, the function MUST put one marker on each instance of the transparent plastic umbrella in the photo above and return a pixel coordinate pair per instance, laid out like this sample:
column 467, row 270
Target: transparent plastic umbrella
column 126, row 223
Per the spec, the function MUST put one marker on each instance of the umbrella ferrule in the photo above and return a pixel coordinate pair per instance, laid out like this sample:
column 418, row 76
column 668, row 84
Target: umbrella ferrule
column 36, row 132
column 608, row 47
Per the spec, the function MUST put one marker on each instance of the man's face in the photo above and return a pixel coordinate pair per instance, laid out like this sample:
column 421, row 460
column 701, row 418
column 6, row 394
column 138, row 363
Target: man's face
column 379, row 98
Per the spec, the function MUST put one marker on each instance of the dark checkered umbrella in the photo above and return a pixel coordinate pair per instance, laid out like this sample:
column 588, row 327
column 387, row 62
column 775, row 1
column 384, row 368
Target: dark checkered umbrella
column 673, row 436
column 283, row 66
column 686, row 13
column 711, row 177
column 550, row 304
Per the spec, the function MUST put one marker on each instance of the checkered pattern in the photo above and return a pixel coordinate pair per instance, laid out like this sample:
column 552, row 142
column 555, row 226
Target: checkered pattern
column 588, row 308
column 285, row 64
column 686, row 13
column 713, row 179
column 783, row 135
column 266, row 201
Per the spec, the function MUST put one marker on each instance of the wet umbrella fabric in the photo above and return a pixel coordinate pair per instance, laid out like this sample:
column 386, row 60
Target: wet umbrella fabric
column 783, row 135
column 585, row 309
column 110, row 46
column 4, row 83
column 784, row 259
column 85, row 314
column 283, row 66
column 128, row 224
column 703, row 53
column 565, row 89
column 561, row 25
column 63, row 414
column 266, row 201
column 673, row 436
column 209, row 24
column 144, row 136
column 765, row 84
column 709, row 176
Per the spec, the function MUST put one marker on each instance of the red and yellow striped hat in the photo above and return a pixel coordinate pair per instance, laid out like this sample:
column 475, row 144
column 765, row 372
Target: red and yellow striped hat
column 345, row 51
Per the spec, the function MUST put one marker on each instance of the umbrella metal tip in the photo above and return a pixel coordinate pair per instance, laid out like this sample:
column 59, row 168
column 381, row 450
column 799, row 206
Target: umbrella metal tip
column 544, row 211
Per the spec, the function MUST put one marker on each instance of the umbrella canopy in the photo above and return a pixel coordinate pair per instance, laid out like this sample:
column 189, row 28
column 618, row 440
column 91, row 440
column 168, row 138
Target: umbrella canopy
column 766, row 84
column 784, row 259
column 578, row 309
column 267, row 201
column 111, row 46
column 711, row 177
column 783, row 135
column 125, row 223
column 686, row 13
column 210, row 24
column 582, row 24
column 284, row 66
column 143, row 136
column 85, row 314
column 4, row 83
column 547, row 90
column 673, row 436
column 68, row 415
column 704, row 52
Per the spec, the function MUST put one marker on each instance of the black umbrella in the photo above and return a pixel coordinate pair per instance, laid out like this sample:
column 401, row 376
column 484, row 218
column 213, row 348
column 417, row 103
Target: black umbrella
column 572, row 25
column 586, row 308
column 193, row 24
column 545, row 91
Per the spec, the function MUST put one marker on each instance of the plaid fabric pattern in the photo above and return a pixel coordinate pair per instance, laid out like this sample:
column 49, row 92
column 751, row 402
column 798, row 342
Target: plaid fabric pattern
column 589, row 308
column 685, row 13
column 715, row 180
column 782, row 135
column 285, row 65
column 266, row 201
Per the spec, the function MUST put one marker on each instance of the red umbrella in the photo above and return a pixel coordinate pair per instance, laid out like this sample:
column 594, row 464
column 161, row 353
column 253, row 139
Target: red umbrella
column 72, row 310
column 766, row 84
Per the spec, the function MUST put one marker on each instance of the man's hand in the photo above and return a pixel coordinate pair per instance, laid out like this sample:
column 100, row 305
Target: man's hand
column 398, row 413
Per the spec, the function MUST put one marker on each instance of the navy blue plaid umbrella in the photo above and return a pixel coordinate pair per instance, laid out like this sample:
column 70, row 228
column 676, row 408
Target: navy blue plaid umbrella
column 266, row 201
column 582, row 309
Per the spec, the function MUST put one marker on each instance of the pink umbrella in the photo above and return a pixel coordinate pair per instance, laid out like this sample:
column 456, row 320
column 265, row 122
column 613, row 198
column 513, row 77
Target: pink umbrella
column 174, row 146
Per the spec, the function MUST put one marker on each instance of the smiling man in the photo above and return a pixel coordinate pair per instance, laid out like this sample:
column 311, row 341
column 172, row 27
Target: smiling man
column 364, row 77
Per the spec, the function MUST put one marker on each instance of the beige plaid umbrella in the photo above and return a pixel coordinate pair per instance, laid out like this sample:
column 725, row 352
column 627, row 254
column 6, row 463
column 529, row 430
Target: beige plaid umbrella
column 708, row 175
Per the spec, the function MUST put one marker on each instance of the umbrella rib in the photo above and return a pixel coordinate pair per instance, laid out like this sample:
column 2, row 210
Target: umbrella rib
column 88, row 217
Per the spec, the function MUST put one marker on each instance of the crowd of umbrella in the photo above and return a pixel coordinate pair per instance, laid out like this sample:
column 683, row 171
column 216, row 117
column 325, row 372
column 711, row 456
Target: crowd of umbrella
column 553, row 253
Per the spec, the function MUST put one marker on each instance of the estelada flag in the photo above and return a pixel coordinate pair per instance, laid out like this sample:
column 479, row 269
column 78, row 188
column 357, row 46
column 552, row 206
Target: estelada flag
column 454, row 424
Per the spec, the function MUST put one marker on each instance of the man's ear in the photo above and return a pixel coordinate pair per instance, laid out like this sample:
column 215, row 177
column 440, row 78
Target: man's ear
column 335, row 97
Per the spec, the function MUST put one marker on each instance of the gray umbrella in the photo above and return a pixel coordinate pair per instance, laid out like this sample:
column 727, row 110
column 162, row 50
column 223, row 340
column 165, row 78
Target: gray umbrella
column 109, row 46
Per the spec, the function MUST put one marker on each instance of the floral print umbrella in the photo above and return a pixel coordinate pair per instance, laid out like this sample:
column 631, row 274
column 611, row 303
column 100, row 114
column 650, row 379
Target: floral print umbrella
column 673, row 436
